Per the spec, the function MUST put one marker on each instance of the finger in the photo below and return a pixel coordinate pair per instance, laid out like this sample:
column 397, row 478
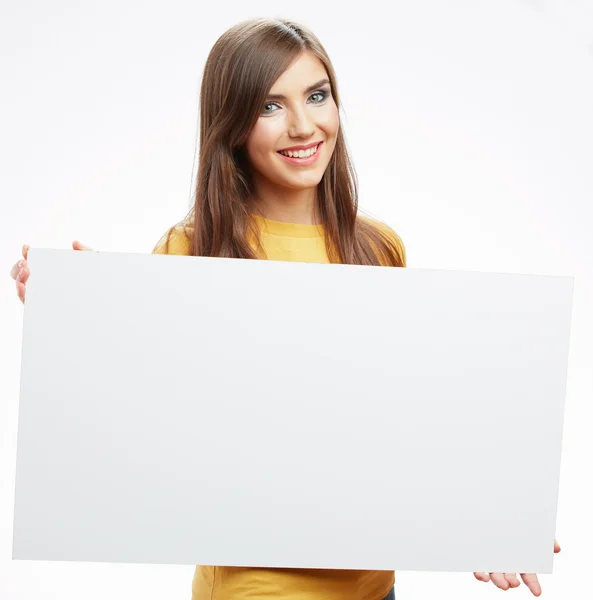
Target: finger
column 531, row 581
column 482, row 576
column 512, row 579
column 20, row 290
column 25, row 250
column 16, row 268
column 24, row 274
column 556, row 547
column 76, row 245
column 499, row 581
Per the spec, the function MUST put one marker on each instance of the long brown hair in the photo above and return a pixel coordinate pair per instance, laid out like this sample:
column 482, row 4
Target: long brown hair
column 240, row 70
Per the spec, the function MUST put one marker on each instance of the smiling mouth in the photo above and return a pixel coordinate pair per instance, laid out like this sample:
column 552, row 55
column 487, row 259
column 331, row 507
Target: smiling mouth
column 300, row 153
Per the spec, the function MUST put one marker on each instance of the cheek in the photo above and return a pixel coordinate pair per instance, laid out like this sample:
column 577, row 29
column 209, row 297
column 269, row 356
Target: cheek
column 262, row 139
column 330, row 121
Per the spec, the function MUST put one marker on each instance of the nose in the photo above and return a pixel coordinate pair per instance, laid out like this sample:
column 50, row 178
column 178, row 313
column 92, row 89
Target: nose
column 300, row 124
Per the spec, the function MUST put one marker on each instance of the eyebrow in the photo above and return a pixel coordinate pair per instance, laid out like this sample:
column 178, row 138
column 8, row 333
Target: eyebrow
column 309, row 89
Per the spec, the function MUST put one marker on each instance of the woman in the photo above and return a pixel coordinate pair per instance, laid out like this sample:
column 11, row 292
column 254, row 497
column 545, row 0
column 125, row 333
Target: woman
column 275, row 182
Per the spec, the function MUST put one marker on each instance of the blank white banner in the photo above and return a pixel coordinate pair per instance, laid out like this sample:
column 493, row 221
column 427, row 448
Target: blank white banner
column 188, row 410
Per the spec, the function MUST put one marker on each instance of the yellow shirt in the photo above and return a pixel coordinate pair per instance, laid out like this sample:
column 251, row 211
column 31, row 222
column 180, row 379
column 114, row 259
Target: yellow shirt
column 299, row 243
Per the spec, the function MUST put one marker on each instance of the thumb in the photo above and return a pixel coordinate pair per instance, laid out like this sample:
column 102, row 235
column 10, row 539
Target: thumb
column 76, row 245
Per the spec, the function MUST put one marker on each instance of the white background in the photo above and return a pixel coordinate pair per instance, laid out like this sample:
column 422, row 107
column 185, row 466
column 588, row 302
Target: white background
column 470, row 124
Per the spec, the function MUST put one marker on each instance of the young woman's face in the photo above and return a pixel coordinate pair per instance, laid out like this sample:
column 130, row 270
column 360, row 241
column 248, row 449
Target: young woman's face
column 299, row 112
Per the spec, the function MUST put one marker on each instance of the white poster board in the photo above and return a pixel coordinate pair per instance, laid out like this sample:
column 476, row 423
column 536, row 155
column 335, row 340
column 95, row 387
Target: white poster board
column 212, row 411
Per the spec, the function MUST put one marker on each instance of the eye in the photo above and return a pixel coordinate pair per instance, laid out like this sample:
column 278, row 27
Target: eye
column 268, row 112
column 321, row 93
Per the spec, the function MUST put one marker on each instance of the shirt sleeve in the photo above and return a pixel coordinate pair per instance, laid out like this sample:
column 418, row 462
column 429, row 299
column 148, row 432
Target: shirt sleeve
column 393, row 239
column 398, row 243
column 174, row 241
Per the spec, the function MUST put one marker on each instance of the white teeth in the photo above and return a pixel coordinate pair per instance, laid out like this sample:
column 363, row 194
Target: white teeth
column 301, row 153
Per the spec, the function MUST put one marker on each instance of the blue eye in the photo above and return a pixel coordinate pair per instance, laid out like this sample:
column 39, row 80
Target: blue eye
column 269, row 104
column 319, row 93
column 322, row 97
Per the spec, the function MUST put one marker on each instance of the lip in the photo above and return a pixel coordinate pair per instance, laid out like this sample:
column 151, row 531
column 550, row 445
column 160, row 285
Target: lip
column 304, row 162
column 297, row 148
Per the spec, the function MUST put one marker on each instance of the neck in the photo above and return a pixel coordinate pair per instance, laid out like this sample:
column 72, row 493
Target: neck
column 285, row 204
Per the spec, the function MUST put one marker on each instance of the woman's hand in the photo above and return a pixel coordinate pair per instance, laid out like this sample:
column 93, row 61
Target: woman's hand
column 20, row 271
column 506, row 581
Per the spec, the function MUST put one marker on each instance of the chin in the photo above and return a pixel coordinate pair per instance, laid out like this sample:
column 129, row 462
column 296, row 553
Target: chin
column 303, row 184
column 305, row 180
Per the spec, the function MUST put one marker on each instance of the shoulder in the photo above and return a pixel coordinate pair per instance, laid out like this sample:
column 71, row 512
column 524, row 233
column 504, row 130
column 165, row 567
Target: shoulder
column 176, row 240
column 384, row 229
column 386, row 234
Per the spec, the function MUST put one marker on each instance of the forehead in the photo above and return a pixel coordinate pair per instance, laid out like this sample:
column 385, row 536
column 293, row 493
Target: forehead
column 304, row 71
